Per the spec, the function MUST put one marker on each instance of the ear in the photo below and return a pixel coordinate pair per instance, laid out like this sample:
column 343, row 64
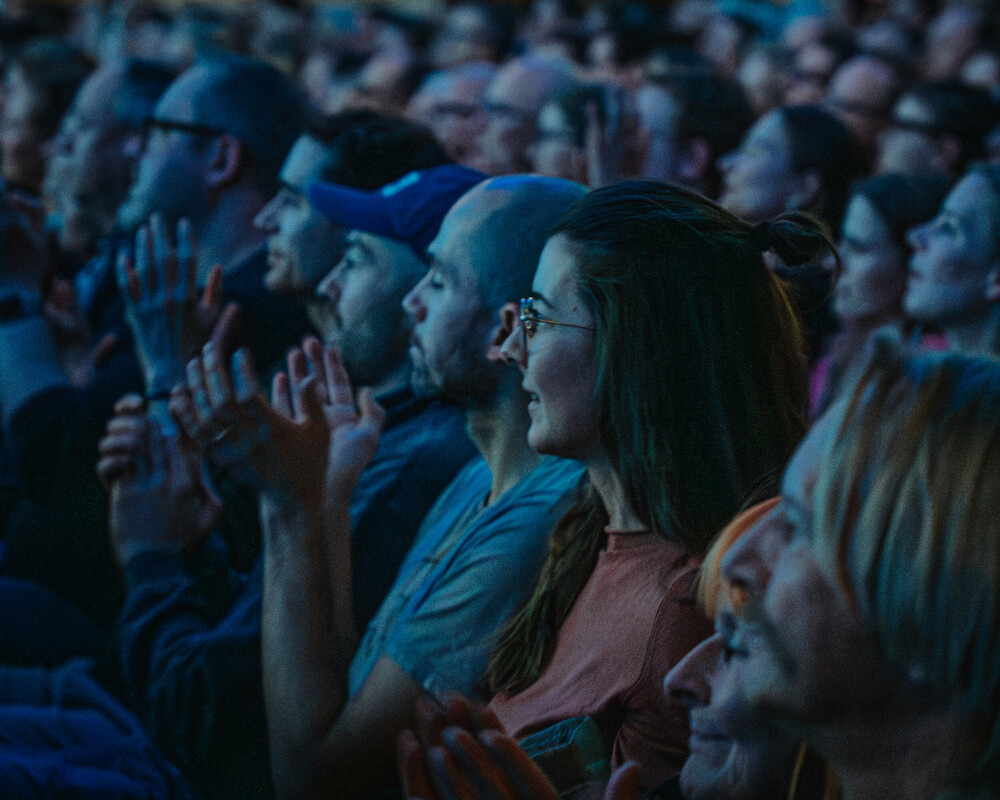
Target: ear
column 226, row 162
column 993, row 283
column 696, row 160
column 805, row 191
column 510, row 318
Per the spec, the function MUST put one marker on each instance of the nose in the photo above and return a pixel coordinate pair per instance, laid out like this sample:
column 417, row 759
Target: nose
column 689, row 680
column 512, row 351
column 330, row 286
column 413, row 303
column 267, row 218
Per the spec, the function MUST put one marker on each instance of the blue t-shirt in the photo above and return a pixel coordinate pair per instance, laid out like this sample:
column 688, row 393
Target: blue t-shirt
column 470, row 568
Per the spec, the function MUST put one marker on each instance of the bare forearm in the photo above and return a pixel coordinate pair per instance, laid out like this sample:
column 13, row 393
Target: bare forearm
column 307, row 645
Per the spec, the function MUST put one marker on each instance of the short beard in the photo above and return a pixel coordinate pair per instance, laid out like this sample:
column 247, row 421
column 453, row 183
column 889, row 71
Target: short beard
column 375, row 349
column 468, row 379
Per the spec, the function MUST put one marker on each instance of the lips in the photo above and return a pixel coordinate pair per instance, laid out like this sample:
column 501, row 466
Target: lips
column 704, row 737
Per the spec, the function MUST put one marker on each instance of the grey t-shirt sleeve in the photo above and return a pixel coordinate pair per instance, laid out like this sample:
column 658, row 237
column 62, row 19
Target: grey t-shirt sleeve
column 445, row 635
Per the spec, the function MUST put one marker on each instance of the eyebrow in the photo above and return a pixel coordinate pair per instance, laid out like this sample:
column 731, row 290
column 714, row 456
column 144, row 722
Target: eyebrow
column 448, row 271
column 356, row 243
column 541, row 298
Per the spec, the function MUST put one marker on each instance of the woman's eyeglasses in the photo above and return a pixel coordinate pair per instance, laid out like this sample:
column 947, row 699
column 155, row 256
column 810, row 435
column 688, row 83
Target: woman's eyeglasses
column 530, row 320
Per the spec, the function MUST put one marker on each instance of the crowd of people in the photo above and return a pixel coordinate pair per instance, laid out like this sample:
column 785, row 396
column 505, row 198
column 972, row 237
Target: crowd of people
column 489, row 401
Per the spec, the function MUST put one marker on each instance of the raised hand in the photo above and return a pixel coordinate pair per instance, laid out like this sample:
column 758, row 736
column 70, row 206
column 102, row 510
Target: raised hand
column 168, row 316
column 311, row 435
column 158, row 500
column 71, row 333
column 604, row 141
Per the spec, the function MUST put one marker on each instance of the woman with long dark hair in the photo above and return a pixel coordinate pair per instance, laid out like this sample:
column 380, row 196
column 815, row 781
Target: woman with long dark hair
column 659, row 350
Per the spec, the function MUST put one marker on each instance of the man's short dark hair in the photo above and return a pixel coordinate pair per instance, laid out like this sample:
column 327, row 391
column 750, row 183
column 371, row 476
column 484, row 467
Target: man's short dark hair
column 368, row 150
column 143, row 82
column 258, row 105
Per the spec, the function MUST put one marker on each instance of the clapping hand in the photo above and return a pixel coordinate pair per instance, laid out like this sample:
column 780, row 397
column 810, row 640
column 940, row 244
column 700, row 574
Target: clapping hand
column 460, row 752
column 159, row 501
column 168, row 318
column 312, row 440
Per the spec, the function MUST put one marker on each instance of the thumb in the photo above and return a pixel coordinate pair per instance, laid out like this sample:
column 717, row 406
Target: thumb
column 624, row 783
column 372, row 414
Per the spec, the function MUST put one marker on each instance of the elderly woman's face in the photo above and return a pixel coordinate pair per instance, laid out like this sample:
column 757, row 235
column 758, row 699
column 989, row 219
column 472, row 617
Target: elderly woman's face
column 719, row 767
column 804, row 658
column 757, row 179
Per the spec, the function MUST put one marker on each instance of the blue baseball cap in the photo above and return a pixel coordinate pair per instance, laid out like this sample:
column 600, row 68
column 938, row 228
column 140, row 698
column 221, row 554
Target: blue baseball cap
column 409, row 210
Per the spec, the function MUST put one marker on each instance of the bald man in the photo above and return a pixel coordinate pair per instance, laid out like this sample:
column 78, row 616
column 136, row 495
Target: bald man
column 336, row 707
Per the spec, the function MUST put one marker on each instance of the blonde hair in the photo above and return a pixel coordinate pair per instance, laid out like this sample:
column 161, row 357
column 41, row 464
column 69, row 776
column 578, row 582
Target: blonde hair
column 906, row 509
column 710, row 580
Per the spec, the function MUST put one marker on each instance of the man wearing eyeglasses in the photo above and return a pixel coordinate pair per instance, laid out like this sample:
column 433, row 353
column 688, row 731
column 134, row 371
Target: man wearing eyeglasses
column 214, row 145
column 860, row 94
column 936, row 128
column 449, row 102
column 512, row 102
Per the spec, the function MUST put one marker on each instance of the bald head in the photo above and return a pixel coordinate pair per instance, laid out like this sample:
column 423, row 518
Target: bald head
column 482, row 222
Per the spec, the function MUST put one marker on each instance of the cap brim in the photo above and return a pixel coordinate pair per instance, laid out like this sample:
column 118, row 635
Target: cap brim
column 351, row 208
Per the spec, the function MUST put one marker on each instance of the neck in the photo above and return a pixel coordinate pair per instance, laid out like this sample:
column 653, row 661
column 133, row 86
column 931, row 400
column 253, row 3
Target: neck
column 903, row 756
column 500, row 433
column 397, row 379
column 607, row 484
column 228, row 234
column 977, row 337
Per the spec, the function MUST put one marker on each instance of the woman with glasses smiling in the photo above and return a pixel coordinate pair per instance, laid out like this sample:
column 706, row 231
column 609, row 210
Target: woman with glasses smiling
column 659, row 350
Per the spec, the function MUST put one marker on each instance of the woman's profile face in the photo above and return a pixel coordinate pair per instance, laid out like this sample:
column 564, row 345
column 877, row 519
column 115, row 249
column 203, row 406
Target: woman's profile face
column 559, row 365
column 757, row 179
column 873, row 270
column 955, row 267
column 720, row 767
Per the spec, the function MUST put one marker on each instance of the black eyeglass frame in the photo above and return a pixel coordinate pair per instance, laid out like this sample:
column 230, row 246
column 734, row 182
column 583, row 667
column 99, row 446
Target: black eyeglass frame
column 195, row 129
